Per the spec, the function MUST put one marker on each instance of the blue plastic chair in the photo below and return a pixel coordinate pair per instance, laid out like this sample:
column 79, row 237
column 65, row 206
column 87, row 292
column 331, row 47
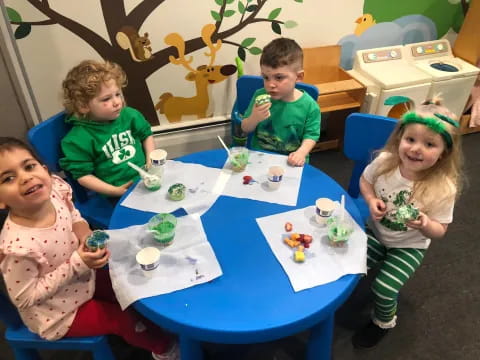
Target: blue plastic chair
column 364, row 133
column 246, row 87
column 45, row 139
column 24, row 343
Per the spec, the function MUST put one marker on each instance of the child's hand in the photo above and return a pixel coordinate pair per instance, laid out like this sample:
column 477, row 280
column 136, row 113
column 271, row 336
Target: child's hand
column 419, row 223
column 120, row 190
column 260, row 112
column 377, row 208
column 93, row 259
column 296, row 158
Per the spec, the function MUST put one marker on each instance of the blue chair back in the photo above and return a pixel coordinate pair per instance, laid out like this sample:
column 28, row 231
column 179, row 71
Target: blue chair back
column 364, row 133
column 46, row 139
column 25, row 343
column 246, row 87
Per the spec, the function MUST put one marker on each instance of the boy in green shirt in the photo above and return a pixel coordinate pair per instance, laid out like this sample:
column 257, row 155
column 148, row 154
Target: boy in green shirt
column 105, row 134
column 290, row 122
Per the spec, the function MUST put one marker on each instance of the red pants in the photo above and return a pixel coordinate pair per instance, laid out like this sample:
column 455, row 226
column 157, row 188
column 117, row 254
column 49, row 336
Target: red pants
column 102, row 315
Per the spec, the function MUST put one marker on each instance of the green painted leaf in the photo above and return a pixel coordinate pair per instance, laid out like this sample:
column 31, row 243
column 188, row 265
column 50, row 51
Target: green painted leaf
column 13, row 15
column 22, row 31
column 300, row 1
column 252, row 8
column 249, row 1
column 230, row 1
column 219, row 2
column 274, row 13
column 228, row 13
column 241, row 7
column 247, row 42
column 394, row 100
column 216, row 16
column 290, row 24
column 241, row 53
column 276, row 28
column 239, row 63
column 255, row 50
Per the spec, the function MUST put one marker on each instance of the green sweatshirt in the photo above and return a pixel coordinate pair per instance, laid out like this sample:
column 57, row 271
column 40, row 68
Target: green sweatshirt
column 104, row 148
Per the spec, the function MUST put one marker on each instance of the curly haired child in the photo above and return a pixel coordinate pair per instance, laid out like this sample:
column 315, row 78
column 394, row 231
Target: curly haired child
column 106, row 134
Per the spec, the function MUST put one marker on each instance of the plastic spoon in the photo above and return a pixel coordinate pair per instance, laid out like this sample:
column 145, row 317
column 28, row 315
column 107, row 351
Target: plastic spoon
column 224, row 146
column 342, row 209
column 149, row 179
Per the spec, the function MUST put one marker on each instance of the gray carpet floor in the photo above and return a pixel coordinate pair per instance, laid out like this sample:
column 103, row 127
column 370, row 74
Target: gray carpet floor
column 439, row 308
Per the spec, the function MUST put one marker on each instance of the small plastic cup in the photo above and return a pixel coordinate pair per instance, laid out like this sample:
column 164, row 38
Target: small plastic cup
column 338, row 231
column 162, row 226
column 238, row 158
column 323, row 210
column 275, row 176
column 158, row 157
column 148, row 258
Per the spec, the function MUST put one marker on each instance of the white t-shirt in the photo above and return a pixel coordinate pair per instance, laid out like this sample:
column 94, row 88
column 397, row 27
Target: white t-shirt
column 395, row 191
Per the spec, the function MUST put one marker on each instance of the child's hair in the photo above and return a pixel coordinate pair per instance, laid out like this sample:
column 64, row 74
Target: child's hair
column 282, row 52
column 84, row 81
column 445, row 177
column 9, row 143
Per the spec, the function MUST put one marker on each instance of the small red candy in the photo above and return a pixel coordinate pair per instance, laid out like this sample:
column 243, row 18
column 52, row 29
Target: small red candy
column 247, row 179
column 288, row 226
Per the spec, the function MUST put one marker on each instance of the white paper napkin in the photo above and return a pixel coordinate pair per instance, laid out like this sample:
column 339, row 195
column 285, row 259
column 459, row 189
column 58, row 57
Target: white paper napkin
column 257, row 168
column 187, row 262
column 323, row 262
column 199, row 180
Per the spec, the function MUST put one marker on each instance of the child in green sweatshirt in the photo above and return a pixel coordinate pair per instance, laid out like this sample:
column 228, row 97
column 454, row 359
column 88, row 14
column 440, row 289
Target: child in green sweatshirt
column 106, row 134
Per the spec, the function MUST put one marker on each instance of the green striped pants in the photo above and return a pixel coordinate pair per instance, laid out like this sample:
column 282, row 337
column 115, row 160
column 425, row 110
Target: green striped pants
column 396, row 266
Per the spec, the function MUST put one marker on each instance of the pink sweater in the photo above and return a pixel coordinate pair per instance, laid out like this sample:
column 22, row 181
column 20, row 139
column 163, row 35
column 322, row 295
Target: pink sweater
column 45, row 277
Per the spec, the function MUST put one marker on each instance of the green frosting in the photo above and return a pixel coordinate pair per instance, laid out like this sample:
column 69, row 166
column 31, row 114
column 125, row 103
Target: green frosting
column 262, row 99
column 406, row 213
column 177, row 192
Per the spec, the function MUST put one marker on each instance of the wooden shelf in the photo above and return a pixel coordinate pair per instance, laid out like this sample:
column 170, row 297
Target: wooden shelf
column 464, row 128
column 337, row 101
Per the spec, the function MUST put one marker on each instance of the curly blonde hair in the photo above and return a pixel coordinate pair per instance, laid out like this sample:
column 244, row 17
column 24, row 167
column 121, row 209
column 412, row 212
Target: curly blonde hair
column 84, row 81
column 446, row 176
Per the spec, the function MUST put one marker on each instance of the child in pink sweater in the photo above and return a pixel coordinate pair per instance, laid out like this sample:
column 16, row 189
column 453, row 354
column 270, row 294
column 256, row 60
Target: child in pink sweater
column 58, row 286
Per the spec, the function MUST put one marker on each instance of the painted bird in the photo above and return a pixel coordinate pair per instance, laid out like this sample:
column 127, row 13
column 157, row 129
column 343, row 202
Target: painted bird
column 364, row 22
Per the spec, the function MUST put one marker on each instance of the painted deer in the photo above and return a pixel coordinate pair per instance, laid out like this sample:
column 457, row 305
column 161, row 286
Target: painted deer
column 175, row 106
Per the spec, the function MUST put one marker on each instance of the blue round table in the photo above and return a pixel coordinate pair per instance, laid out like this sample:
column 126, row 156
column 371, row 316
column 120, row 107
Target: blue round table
column 253, row 300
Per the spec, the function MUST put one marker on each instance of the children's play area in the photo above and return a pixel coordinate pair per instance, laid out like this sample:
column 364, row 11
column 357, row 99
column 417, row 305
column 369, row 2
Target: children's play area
column 238, row 179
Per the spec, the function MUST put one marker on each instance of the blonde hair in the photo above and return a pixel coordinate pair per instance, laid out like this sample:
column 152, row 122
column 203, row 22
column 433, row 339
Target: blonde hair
column 446, row 175
column 84, row 81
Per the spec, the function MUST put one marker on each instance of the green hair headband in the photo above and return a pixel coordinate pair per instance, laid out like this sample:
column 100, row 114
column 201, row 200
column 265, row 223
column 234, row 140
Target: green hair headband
column 432, row 123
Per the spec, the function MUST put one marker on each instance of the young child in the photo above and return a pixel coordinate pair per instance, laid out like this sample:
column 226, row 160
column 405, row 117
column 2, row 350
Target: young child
column 57, row 285
column 410, row 189
column 106, row 134
column 290, row 123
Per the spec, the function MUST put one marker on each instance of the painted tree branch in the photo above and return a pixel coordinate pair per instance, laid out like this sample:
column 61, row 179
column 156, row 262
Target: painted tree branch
column 34, row 23
column 138, row 15
column 221, row 12
column 116, row 17
column 95, row 41
column 160, row 58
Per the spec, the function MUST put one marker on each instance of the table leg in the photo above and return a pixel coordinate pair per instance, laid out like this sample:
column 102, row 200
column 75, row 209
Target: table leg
column 320, row 341
column 190, row 349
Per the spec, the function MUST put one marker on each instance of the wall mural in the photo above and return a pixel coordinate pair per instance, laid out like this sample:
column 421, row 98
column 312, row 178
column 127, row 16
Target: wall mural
column 383, row 24
column 140, row 59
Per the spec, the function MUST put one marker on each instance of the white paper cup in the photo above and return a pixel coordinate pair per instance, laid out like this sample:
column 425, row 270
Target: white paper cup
column 148, row 258
column 275, row 177
column 323, row 210
column 158, row 157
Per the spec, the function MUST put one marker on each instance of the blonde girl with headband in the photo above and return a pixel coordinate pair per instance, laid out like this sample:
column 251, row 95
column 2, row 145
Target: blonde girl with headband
column 410, row 189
